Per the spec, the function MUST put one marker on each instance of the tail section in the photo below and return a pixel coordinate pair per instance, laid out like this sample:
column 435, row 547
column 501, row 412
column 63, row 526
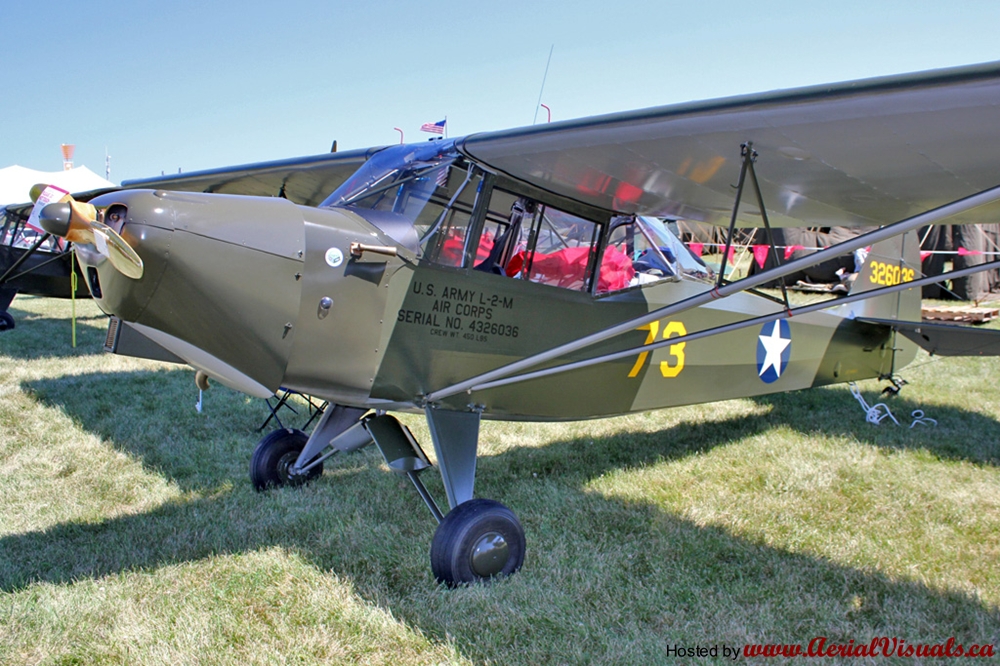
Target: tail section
column 897, row 261
column 888, row 263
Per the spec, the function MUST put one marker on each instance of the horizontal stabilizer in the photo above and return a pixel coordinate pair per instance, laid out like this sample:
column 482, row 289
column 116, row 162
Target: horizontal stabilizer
column 945, row 339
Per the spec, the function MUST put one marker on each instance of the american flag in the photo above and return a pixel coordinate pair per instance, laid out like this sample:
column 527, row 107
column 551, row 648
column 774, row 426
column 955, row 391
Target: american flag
column 434, row 128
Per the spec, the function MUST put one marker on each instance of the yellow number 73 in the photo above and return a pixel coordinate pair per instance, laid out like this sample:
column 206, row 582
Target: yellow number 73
column 673, row 328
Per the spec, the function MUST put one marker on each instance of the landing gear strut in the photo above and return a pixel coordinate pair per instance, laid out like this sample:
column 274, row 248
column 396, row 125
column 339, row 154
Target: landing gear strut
column 478, row 539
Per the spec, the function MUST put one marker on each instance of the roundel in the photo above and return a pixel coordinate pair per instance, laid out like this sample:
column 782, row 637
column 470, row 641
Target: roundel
column 774, row 348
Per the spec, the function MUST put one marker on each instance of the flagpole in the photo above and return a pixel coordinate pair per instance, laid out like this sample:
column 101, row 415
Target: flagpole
column 446, row 127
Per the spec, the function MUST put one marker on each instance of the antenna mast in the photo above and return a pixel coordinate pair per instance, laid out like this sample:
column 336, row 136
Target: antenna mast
column 544, row 76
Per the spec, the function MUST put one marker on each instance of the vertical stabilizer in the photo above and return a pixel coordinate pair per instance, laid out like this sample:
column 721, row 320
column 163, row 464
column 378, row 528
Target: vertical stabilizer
column 888, row 263
column 891, row 262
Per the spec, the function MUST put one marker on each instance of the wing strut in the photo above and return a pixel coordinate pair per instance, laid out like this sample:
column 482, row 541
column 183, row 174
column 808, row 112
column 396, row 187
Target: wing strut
column 929, row 217
column 23, row 258
column 749, row 159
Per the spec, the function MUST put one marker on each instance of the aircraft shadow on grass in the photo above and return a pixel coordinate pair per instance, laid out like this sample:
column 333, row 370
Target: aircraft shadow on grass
column 614, row 544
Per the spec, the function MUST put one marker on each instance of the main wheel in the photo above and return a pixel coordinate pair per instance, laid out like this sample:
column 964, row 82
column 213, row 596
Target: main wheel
column 275, row 454
column 477, row 540
column 6, row 321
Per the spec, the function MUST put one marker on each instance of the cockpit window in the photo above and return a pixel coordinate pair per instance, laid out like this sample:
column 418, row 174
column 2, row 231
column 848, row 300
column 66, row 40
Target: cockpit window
column 372, row 186
column 651, row 253
column 421, row 196
column 529, row 240
column 686, row 262
column 443, row 242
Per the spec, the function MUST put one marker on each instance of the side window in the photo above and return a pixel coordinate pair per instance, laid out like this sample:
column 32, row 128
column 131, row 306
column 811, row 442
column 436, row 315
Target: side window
column 643, row 250
column 532, row 241
column 445, row 226
column 495, row 244
column 625, row 245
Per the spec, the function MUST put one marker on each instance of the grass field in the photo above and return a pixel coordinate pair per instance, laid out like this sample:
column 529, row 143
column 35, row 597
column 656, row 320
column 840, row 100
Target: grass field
column 130, row 534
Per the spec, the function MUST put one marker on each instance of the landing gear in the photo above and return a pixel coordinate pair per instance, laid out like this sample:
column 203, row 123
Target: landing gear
column 478, row 540
column 6, row 321
column 272, row 460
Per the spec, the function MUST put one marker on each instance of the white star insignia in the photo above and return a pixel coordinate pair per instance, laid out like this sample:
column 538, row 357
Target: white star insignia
column 774, row 344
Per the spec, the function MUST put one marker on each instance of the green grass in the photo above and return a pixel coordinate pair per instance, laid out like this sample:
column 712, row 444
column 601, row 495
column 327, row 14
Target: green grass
column 129, row 532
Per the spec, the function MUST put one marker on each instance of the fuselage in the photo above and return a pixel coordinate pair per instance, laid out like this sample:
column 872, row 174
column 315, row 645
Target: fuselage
column 260, row 293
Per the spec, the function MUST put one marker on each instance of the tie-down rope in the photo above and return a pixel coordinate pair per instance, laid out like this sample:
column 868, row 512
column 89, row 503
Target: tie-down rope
column 879, row 412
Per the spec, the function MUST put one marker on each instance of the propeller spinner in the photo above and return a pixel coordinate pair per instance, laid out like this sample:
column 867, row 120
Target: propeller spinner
column 78, row 222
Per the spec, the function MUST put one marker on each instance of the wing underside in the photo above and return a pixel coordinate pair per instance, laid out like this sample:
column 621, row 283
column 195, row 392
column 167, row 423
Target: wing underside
column 302, row 180
column 863, row 153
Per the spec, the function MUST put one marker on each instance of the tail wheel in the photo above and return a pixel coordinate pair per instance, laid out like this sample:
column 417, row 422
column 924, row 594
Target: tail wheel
column 273, row 458
column 6, row 321
column 478, row 540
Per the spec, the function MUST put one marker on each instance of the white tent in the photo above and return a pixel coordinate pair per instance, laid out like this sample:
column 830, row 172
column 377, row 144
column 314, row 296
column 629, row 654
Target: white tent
column 16, row 182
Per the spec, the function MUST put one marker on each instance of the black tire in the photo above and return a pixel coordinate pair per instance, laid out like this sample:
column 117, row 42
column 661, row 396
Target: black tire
column 274, row 455
column 478, row 540
column 6, row 321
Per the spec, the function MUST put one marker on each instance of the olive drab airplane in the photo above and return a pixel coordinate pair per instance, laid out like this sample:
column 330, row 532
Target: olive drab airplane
column 528, row 274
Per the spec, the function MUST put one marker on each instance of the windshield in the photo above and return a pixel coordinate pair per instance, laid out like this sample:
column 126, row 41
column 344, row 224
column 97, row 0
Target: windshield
column 415, row 169
column 404, row 190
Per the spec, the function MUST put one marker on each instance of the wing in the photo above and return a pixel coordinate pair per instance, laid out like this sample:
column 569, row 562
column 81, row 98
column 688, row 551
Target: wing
column 853, row 154
column 303, row 180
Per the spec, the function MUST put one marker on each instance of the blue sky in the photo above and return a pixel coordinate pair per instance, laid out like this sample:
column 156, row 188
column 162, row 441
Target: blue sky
column 197, row 85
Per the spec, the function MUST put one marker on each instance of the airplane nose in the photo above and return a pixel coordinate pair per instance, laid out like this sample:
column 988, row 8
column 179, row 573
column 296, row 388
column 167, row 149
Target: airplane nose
column 221, row 284
column 130, row 218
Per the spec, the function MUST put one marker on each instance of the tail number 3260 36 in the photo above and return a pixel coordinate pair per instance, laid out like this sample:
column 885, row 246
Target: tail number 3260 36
column 888, row 275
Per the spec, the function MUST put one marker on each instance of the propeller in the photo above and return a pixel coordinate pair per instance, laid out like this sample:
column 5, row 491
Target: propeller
column 77, row 222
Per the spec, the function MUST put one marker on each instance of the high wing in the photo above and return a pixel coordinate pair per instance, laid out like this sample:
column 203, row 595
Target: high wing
column 862, row 153
column 302, row 180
